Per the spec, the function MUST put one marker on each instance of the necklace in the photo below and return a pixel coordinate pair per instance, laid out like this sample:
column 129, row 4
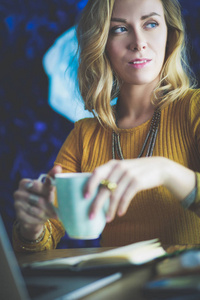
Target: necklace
column 150, row 138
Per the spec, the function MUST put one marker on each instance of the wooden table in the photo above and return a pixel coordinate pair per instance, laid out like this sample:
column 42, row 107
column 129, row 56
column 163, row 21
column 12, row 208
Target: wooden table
column 127, row 288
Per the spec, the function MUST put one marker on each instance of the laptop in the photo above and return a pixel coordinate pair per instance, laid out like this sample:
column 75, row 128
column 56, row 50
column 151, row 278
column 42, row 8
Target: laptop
column 31, row 284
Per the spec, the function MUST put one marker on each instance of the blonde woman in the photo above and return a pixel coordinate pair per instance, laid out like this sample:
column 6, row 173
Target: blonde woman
column 145, row 150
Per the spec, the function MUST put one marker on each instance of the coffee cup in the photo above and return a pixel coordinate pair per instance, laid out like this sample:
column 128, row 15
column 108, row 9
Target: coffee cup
column 73, row 209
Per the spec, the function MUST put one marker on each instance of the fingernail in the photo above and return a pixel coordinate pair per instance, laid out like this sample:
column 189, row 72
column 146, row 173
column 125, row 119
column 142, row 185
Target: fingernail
column 28, row 184
column 120, row 213
column 86, row 195
column 92, row 216
column 108, row 218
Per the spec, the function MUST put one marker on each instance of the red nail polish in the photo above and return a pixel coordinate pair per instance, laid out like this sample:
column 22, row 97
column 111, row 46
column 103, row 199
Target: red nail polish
column 87, row 196
column 92, row 216
column 120, row 213
column 108, row 219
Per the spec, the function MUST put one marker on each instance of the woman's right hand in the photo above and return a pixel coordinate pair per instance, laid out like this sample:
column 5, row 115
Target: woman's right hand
column 33, row 205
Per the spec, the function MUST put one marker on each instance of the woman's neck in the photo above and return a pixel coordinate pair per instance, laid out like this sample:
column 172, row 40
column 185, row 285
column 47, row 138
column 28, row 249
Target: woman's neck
column 134, row 106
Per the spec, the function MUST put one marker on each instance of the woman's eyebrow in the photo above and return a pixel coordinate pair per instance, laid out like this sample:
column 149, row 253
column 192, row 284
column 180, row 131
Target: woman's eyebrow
column 118, row 20
column 142, row 18
column 150, row 15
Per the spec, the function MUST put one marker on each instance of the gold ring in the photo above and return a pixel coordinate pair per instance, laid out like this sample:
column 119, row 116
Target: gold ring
column 111, row 186
column 33, row 200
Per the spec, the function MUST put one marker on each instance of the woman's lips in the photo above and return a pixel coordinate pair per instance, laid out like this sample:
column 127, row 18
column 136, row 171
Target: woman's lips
column 139, row 63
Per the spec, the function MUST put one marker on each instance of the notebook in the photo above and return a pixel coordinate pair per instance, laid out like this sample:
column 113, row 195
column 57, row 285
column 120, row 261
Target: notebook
column 19, row 284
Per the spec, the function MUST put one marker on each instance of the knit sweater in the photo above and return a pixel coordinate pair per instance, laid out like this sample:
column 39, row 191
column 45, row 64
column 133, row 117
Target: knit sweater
column 153, row 213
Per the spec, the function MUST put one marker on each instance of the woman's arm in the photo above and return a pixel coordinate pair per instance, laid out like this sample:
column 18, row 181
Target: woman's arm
column 133, row 176
column 37, row 228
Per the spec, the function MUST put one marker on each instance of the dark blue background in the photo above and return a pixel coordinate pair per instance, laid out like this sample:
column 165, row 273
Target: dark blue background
column 31, row 133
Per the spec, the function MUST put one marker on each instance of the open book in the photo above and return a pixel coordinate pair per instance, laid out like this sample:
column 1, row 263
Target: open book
column 133, row 254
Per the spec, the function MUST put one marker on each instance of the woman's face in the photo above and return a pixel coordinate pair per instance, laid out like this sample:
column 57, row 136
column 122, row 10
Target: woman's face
column 137, row 40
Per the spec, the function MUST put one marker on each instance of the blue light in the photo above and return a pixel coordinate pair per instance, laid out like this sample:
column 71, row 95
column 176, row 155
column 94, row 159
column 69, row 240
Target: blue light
column 30, row 25
column 10, row 21
column 82, row 4
column 40, row 126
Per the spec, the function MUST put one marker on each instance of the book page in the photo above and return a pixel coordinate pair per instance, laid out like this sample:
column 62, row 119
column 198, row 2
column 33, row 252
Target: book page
column 137, row 253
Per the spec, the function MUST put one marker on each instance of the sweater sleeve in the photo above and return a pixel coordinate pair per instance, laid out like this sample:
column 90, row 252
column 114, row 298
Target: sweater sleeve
column 195, row 127
column 69, row 156
column 53, row 232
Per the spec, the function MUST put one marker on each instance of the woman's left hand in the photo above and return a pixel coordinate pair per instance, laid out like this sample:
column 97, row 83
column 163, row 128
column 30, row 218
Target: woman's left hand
column 133, row 176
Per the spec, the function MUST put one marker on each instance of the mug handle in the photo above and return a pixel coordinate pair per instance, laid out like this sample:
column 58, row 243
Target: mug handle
column 53, row 182
column 44, row 176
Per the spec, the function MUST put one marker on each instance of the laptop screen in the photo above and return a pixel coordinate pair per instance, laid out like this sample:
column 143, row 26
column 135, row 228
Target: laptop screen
column 25, row 284
column 12, row 283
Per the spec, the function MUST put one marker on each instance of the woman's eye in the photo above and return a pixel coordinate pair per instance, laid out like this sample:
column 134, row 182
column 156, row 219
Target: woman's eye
column 118, row 29
column 151, row 25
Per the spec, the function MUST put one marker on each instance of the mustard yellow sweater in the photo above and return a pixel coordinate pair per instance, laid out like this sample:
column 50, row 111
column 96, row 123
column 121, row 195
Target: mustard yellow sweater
column 153, row 213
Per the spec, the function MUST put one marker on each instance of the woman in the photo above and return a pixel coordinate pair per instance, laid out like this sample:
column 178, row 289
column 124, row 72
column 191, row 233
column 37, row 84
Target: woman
column 133, row 50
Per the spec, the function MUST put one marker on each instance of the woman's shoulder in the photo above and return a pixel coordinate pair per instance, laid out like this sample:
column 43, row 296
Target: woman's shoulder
column 186, row 107
column 188, row 102
column 87, row 122
column 189, row 106
column 192, row 96
column 87, row 125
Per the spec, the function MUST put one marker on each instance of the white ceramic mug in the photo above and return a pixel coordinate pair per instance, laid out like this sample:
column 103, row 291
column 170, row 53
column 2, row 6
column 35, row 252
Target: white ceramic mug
column 73, row 208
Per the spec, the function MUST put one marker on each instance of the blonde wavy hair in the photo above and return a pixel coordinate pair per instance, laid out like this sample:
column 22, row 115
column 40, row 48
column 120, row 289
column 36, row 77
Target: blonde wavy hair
column 97, row 83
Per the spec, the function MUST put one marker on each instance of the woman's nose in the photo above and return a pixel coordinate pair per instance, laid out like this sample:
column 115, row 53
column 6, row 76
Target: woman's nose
column 137, row 42
column 138, row 47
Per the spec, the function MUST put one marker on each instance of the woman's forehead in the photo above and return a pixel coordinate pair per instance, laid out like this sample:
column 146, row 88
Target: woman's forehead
column 137, row 8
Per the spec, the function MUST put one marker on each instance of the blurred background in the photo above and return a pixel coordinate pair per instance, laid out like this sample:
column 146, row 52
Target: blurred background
column 37, row 97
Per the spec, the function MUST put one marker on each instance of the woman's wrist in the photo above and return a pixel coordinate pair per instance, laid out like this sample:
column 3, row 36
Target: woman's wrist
column 189, row 201
column 30, row 235
column 179, row 180
column 29, row 244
